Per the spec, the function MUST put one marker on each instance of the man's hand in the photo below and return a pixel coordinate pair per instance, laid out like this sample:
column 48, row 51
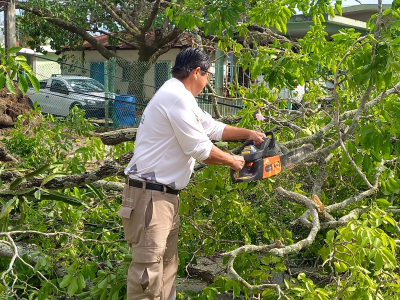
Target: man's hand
column 237, row 162
column 257, row 137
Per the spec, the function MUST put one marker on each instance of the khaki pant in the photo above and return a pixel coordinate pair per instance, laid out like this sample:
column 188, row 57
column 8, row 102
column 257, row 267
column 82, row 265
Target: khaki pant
column 151, row 224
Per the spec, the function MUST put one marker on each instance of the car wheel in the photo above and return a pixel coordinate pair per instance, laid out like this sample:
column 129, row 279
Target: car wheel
column 30, row 102
column 75, row 104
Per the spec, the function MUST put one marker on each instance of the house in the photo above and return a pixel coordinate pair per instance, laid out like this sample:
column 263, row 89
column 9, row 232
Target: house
column 352, row 17
column 43, row 65
column 125, row 73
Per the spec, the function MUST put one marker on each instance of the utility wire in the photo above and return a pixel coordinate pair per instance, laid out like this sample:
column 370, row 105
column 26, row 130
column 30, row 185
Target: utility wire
column 86, row 69
column 141, row 83
column 116, row 100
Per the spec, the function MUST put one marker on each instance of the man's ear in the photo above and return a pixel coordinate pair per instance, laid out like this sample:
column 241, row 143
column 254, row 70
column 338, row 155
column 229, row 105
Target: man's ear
column 196, row 72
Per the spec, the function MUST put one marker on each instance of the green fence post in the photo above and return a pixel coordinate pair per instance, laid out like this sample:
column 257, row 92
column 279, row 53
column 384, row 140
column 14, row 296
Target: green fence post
column 219, row 73
column 106, row 93
column 111, row 85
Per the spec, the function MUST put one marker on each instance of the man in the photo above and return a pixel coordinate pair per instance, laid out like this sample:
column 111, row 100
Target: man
column 173, row 133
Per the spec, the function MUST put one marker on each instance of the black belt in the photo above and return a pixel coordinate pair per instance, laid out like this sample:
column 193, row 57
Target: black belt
column 152, row 186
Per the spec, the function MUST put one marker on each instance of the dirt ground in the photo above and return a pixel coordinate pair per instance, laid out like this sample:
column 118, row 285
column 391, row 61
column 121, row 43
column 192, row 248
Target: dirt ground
column 11, row 106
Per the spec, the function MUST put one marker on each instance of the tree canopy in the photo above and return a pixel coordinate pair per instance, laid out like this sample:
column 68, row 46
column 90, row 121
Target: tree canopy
column 132, row 21
column 329, row 226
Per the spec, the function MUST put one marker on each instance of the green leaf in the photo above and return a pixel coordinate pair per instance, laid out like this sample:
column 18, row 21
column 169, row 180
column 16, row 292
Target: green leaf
column 109, row 264
column 10, row 85
column 338, row 7
column 2, row 79
column 114, row 290
column 386, row 116
column 13, row 50
column 35, row 82
column 17, row 182
column 52, row 176
column 367, row 164
column 96, row 191
column 73, row 287
column 26, row 67
column 22, row 84
column 280, row 267
column 222, row 144
column 66, row 280
column 340, row 266
column 382, row 203
column 330, row 236
column 20, row 58
column 389, row 256
column 37, row 172
column 395, row 65
column 81, row 281
column 24, row 191
column 6, row 209
column 393, row 185
column 82, row 150
column 236, row 289
column 103, row 284
column 331, row 11
column 228, row 284
column 256, row 273
column 52, row 195
column 378, row 260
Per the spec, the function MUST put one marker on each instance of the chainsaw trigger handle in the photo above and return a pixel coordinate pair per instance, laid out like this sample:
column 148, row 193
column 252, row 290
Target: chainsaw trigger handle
column 271, row 144
column 233, row 175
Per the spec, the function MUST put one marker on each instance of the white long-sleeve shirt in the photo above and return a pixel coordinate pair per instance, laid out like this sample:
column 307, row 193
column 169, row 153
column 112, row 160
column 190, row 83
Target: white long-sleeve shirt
column 173, row 133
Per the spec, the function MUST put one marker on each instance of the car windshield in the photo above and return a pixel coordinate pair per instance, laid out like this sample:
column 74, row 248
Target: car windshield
column 85, row 85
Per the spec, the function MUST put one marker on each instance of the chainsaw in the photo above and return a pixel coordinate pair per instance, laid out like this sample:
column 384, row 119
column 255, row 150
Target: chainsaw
column 262, row 162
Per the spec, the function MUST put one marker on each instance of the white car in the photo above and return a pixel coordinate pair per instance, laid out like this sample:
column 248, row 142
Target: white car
column 59, row 94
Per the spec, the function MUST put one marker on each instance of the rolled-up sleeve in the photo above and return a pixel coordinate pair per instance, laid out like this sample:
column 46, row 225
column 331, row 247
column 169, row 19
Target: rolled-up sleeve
column 213, row 129
column 189, row 130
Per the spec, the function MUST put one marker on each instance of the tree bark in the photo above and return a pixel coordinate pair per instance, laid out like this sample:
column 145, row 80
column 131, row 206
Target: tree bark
column 118, row 136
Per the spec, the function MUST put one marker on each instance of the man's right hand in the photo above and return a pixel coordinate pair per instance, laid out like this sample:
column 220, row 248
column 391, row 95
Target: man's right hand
column 237, row 162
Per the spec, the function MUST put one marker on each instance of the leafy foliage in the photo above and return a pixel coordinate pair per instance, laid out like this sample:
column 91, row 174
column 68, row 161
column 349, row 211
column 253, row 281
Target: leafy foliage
column 352, row 84
column 12, row 66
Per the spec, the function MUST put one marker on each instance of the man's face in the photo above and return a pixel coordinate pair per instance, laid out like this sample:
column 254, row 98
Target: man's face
column 201, row 79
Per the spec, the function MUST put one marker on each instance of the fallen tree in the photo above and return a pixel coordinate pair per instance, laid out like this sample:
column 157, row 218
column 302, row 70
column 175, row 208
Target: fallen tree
column 335, row 213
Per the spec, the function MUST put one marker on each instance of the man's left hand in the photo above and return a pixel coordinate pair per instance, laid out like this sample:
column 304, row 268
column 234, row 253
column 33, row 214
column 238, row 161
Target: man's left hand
column 256, row 137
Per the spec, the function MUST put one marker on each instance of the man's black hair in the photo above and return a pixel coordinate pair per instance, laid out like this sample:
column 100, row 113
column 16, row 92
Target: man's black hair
column 188, row 60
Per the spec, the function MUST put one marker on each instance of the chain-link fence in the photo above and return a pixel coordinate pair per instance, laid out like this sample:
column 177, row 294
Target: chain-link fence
column 114, row 93
column 129, row 85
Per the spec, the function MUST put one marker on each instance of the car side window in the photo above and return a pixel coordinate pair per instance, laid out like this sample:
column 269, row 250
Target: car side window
column 58, row 87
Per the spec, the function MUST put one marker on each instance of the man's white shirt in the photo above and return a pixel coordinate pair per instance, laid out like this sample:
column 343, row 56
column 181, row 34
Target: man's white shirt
column 173, row 133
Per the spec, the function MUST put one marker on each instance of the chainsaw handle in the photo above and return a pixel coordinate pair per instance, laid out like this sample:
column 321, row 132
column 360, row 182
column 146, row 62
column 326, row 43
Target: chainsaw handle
column 271, row 144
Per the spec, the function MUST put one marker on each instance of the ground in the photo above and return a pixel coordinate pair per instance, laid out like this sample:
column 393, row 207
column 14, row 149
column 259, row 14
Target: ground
column 11, row 106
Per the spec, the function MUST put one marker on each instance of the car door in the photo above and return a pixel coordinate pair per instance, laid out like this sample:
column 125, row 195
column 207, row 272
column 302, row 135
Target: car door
column 58, row 99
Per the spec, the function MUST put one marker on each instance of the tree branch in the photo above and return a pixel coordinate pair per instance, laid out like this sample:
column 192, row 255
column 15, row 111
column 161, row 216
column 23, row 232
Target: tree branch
column 117, row 15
